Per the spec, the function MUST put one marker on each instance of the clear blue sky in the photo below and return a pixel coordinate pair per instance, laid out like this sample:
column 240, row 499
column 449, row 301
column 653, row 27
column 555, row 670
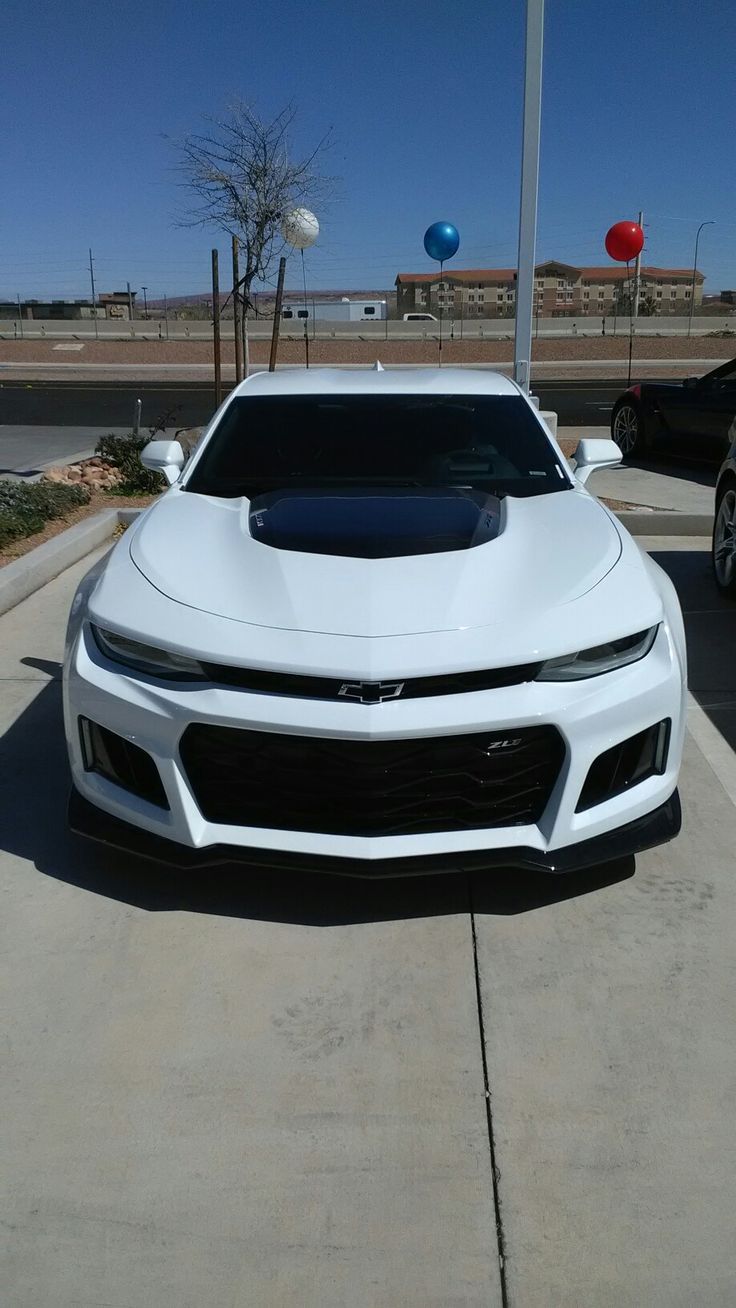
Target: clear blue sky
column 425, row 103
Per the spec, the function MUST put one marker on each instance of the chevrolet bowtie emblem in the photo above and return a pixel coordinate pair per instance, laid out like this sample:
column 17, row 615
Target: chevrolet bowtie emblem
column 371, row 692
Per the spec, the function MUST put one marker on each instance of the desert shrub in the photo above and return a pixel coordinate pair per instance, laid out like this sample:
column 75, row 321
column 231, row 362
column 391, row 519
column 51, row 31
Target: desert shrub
column 124, row 453
column 26, row 507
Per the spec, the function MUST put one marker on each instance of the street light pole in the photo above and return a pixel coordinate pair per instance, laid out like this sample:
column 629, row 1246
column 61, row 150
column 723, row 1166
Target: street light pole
column 94, row 297
column 529, row 191
column 145, row 302
column 709, row 223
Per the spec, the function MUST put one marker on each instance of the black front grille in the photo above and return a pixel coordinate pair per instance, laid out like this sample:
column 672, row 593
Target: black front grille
column 351, row 689
column 371, row 788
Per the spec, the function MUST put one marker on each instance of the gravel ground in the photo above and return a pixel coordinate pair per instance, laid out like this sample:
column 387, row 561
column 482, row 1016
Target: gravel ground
column 357, row 351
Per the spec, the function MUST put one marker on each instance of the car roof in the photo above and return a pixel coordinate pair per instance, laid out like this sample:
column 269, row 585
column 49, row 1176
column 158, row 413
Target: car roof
column 369, row 381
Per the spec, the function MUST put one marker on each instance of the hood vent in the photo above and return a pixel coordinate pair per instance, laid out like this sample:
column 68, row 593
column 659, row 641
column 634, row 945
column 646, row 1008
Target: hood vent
column 380, row 523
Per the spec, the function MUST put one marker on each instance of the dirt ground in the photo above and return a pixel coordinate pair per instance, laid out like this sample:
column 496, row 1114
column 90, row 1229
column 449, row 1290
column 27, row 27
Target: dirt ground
column 365, row 351
column 99, row 501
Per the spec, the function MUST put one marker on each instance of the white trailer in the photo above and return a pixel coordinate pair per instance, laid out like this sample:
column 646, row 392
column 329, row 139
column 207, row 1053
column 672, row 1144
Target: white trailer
column 344, row 310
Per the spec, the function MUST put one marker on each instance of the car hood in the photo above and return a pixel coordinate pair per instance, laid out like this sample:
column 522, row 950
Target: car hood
column 547, row 550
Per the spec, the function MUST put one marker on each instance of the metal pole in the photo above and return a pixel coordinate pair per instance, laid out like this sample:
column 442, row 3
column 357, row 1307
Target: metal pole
column 166, row 316
column 145, row 302
column 130, row 304
column 529, row 191
column 137, row 417
column 277, row 314
column 637, row 272
column 236, row 315
column 20, row 315
column 94, row 302
column 216, row 328
column 709, row 223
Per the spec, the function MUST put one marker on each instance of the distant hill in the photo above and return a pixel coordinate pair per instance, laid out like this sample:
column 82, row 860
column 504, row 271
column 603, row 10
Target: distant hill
column 205, row 297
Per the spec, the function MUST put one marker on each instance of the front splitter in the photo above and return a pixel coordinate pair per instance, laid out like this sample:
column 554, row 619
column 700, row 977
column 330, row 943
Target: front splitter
column 652, row 829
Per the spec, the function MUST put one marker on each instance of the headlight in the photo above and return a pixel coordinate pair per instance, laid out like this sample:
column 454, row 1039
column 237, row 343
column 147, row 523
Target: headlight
column 154, row 662
column 599, row 659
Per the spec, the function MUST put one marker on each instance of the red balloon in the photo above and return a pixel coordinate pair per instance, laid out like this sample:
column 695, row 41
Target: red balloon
column 624, row 241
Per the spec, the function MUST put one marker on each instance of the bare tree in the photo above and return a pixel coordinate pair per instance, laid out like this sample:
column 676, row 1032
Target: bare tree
column 245, row 180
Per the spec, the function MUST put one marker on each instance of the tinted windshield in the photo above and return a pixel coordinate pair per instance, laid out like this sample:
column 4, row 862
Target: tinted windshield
column 487, row 442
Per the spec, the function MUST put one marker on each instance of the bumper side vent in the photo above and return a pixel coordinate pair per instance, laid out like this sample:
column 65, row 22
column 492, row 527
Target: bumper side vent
column 626, row 764
column 117, row 760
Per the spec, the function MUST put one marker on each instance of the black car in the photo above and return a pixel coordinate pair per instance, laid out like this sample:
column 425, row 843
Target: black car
column 724, row 527
column 695, row 418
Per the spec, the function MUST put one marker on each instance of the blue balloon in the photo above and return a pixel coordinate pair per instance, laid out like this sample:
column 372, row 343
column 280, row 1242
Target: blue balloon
column 441, row 241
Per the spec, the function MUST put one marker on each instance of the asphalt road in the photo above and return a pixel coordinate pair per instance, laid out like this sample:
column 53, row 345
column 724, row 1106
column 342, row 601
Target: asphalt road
column 239, row 1089
column 189, row 404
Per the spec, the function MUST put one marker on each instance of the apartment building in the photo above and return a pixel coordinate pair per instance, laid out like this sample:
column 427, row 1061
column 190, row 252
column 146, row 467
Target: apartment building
column 561, row 290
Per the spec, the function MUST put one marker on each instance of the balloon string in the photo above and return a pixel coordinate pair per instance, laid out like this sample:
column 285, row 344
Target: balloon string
column 631, row 318
column 306, row 311
column 441, row 300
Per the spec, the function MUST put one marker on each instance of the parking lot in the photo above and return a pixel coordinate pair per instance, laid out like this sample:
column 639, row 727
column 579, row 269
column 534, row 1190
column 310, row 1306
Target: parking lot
column 262, row 1089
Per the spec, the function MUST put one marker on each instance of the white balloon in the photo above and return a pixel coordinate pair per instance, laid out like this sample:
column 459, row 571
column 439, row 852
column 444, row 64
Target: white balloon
column 300, row 228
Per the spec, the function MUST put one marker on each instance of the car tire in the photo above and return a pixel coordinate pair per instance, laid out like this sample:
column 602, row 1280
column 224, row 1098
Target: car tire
column 723, row 550
column 627, row 427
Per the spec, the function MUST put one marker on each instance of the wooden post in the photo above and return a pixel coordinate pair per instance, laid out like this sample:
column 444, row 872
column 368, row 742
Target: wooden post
column 277, row 314
column 236, row 315
column 216, row 328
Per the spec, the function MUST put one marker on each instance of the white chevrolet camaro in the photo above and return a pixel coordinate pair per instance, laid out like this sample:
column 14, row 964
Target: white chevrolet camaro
column 376, row 626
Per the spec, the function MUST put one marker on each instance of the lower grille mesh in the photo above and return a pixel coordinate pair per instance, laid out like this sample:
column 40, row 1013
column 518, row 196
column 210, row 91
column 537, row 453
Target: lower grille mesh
column 371, row 788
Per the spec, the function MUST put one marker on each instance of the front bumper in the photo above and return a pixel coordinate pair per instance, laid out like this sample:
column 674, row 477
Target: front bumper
column 643, row 833
column 591, row 717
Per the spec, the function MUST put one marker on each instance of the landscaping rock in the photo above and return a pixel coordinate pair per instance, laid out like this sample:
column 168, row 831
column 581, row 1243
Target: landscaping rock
column 95, row 473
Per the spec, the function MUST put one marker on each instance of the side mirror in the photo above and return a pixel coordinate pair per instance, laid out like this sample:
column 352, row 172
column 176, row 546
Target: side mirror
column 690, row 383
column 164, row 456
column 591, row 454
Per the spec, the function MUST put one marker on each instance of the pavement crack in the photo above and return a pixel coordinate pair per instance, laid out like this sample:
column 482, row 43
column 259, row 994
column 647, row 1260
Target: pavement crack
column 495, row 1171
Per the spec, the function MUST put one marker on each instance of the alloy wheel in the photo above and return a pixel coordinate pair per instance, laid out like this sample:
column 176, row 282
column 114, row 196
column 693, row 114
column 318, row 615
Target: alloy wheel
column 626, row 428
column 724, row 542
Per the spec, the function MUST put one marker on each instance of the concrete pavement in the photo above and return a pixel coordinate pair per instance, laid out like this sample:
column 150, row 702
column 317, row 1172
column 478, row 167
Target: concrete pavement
column 26, row 450
column 273, row 1090
column 660, row 484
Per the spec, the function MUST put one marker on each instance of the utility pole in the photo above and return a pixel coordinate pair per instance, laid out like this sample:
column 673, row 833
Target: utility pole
column 94, row 301
column 216, row 328
column 166, row 315
column 709, row 223
column 145, row 302
column 20, row 315
column 529, row 191
column 130, row 303
column 637, row 271
column 277, row 314
column 236, row 315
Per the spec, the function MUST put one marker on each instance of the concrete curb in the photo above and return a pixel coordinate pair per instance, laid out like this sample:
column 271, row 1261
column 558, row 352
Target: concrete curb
column 643, row 523
column 20, row 579
column 29, row 477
